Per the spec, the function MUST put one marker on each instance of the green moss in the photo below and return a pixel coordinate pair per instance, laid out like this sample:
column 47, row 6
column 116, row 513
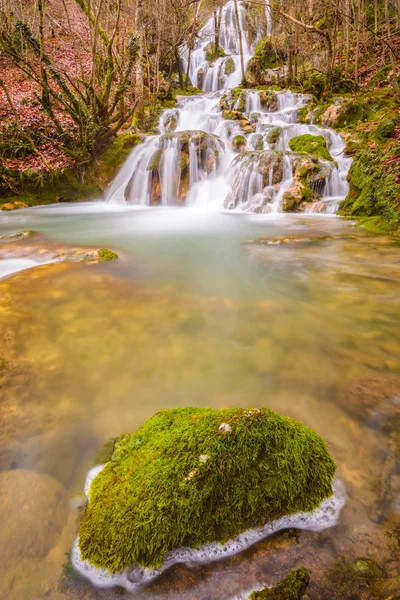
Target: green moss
column 105, row 453
column 355, row 578
column 232, row 115
column 155, row 160
column 293, row 587
column 118, row 151
column 385, row 129
column 229, row 66
column 182, row 480
column 310, row 144
column 274, row 135
column 106, row 254
column 238, row 142
column 374, row 192
column 212, row 53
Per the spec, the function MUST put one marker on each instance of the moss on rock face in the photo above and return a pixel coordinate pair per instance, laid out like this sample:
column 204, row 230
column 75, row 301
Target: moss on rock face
column 311, row 144
column 293, row 587
column 374, row 189
column 192, row 476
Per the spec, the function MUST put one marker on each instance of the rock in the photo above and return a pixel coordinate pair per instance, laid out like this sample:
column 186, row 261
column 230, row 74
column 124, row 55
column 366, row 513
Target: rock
column 212, row 53
column 239, row 143
column 311, row 144
column 155, row 495
column 293, row 587
column 155, row 160
column 246, row 126
column 360, row 578
column 331, row 116
column 33, row 511
column 374, row 400
column 274, row 135
column 171, row 120
column 295, row 196
column 232, row 115
column 229, row 66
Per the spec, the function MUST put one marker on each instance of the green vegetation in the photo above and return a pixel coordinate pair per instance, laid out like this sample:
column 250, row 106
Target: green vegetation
column 191, row 476
column 356, row 578
column 3, row 365
column 310, row 144
column 293, row 587
column 212, row 53
column 374, row 189
column 106, row 254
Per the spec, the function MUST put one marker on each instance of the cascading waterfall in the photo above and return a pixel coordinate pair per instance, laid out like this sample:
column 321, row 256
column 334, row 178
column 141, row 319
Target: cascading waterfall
column 228, row 149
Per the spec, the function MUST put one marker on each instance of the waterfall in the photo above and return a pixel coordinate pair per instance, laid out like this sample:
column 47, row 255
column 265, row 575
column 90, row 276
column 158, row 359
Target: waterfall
column 223, row 148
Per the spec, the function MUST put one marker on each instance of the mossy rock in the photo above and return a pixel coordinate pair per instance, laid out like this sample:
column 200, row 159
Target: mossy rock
column 155, row 160
column 239, row 143
column 106, row 254
column 293, row 587
column 355, row 578
column 193, row 476
column 311, row 144
column 229, row 66
column 212, row 53
column 232, row 115
column 274, row 135
column 374, row 190
column 385, row 129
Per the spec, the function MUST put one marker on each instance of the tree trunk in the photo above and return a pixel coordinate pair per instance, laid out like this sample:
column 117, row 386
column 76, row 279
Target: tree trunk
column 139, row 89
column 396, row 87
column 239, row 30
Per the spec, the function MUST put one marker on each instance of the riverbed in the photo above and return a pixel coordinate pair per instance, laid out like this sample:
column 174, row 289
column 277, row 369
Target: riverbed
column 203, row 308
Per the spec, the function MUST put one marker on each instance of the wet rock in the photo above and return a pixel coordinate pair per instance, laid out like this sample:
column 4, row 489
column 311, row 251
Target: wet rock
column 239, row 143
column 360, row 578
column 229, row 66
column 331, row 116
column 33, row 511
column 246, row 126
column 295, row 195
column 274, row 135
column 293, row 587
column 171, row 120
column 373, row 400
column 232, row 115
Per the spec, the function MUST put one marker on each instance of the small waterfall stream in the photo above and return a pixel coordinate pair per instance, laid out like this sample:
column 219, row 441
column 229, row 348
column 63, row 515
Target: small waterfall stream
column 228, row 148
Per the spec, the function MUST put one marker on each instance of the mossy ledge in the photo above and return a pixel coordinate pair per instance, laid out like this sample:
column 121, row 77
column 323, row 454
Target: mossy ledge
column 189, row 477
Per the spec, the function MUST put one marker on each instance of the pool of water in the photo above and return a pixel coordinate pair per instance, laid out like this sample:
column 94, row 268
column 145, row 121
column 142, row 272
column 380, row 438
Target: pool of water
column 194, row 312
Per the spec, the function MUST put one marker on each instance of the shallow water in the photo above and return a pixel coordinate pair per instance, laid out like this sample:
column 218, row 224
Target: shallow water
column 193, row 314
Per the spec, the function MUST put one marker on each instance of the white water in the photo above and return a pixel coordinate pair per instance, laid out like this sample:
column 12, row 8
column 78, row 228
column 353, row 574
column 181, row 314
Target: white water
column 192, row 169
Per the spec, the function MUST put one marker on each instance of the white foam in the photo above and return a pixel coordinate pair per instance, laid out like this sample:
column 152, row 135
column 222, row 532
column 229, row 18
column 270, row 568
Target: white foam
column 327, row 515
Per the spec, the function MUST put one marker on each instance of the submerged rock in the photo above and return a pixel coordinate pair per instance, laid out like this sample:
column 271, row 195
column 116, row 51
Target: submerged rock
column 293, row 587
column 374, row 400
column 33, row 511
column 155, row 495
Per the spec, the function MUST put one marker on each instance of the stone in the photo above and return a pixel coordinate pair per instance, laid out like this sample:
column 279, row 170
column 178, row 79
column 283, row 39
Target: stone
column 33, row 511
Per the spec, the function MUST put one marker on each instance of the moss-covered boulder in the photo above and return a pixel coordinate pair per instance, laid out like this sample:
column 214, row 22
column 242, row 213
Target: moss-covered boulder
column 293, row 587
column 274, row 135
column 192, row 476
column 266, row 58
column 310, row 144
column 212, row 52
column 229, row 66
column 232, row 115
column 239, row 143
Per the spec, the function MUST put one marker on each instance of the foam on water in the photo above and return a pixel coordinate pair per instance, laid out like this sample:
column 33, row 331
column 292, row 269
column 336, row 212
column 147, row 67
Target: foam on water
column 327, row 515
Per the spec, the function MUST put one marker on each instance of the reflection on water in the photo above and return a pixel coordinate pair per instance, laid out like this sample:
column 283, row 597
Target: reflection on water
column 191, row 314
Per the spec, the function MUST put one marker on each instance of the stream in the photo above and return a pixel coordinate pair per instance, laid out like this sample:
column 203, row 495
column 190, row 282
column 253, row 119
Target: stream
column 225, row 301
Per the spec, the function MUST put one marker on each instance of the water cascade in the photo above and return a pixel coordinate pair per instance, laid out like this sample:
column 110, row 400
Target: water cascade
column 229, row 147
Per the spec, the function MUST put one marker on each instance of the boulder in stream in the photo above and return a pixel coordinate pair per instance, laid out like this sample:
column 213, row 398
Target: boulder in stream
column 190, row 477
